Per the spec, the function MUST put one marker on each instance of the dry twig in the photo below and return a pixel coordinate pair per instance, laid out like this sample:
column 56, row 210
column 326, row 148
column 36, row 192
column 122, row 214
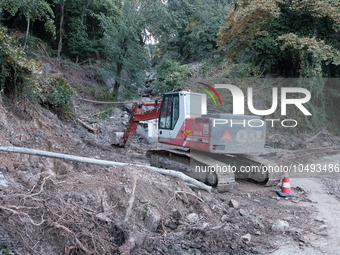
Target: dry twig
column 24, row 214
column 79, row 244
column 132, row 199
column 95, row 131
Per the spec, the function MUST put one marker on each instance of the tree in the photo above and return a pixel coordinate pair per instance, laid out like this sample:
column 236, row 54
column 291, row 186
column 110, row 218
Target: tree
column 194, row 27
column 125, row 37
column 61, row 24
column 78, row 43
column 31, row 10
column 286, row 37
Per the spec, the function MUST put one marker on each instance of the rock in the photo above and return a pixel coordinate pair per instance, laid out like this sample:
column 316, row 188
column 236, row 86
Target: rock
column 3, row 181
column 110, row 82
column 214, row 201
column 48, row 68
column 224, row 217
column 207, row 199
column 322, row 228
column 233, row 203
column 115, row 137
column 139, row 238
column 117, row 112
column 172, row 225
column 244, row 212
column 320, row 220
column 152, row 219
column 246, row 238
column 102, row 217
column 280, row 226
column 192, row 217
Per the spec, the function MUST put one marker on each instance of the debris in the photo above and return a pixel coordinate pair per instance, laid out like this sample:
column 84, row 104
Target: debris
column 93, row 130
column 280, row 226
column 244, row 212
column 246, row 238
column 172, row 225
column 320, row 220
column 224, row 217
column 192, row 217
column 207, row 198
column 233, row 203
column 102, row 217
column 115, row 137
column 104, row 163
column 132, row 199
column 152, row 219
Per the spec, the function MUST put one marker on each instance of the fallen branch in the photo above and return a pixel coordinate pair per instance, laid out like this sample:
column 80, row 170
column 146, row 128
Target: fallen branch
column 132, row 199
column 93, row 130
column 316, row 136
column 104, row 163
column 79, row 244
column 23, row 214
column 105, row 102
column 189, row 193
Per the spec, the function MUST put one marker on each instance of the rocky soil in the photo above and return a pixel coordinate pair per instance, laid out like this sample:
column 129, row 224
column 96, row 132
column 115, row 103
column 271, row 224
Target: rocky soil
column 50, row 206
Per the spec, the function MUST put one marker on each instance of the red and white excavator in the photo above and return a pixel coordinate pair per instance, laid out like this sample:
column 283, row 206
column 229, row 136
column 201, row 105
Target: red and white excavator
column 213, row 148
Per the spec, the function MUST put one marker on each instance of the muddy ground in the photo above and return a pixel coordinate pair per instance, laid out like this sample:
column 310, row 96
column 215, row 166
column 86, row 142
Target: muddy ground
column 50, row 206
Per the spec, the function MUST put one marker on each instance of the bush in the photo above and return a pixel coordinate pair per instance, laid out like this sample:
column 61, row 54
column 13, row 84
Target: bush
column 171, row 76
column 4, row 251
column 59, row 93
column 15, row 66
column 103, row 94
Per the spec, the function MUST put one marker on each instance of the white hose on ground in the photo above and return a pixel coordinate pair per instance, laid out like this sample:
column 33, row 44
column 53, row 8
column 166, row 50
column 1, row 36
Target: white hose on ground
column 104, row 163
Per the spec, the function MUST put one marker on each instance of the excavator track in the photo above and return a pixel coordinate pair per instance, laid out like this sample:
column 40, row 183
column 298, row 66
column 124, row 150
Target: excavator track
column 217, row 170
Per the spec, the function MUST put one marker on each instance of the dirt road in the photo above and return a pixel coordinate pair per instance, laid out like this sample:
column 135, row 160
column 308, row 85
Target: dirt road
column 324, row 239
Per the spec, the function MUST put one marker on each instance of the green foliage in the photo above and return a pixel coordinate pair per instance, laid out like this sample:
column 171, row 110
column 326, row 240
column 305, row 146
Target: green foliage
column 107, row 113
column 147, row 208
column 103, row 94
column 15, row 66
column 123, row 42
column 192, row 28
column 317, row 50
column 290, row 38
column 20, row 74
column 4, row 251
column 31, row 10
column 79, row 45
column 171, row 76
column 57, row 93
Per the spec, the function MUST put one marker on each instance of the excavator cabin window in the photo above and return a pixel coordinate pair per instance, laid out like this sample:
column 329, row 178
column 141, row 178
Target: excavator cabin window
column 169, row 112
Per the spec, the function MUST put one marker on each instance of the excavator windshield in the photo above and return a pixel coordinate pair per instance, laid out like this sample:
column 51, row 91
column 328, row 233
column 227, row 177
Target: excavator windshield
column 169, row 111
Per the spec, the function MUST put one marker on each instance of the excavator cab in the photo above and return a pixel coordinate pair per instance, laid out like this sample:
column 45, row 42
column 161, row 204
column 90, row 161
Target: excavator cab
column 169, row 111
column 175, row 109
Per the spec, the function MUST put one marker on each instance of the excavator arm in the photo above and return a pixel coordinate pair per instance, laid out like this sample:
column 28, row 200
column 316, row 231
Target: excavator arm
column 137, row 115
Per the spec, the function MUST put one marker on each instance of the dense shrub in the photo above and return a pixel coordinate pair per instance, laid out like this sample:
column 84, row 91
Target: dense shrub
column 171, row 76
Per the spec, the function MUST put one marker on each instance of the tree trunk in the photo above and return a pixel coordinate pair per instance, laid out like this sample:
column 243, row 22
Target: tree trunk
column 27, row 31
column 60, row 44
column 117, row 83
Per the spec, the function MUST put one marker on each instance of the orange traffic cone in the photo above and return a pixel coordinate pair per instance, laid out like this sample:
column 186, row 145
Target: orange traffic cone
column 285, row 187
